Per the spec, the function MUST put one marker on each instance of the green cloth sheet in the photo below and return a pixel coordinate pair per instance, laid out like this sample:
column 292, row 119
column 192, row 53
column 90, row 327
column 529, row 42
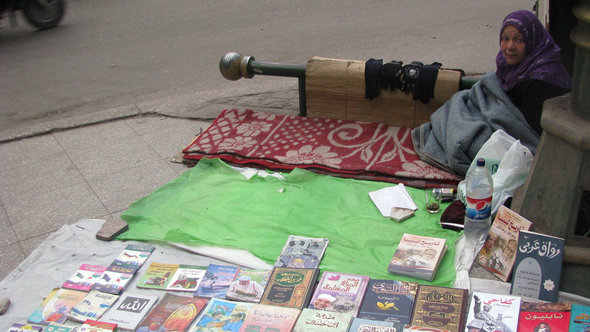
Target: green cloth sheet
column 213, row 204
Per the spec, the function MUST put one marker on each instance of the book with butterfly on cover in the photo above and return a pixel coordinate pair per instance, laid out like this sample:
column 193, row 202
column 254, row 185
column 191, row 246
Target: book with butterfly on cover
column 114, row 279
column 56, row 306
column 262, row 317
column 369, row 325
column 499, row 250
column 389, row 300
column 84, row 277
column 417, row 256
column 248, row 285
column 290, row 287
column 493, row 312
column 313, row 320
column 440, row 307
column 92, row 306
column 302, row 252
column 173, row 312
column 339, row 292
column 537, row 267
column 544, row 316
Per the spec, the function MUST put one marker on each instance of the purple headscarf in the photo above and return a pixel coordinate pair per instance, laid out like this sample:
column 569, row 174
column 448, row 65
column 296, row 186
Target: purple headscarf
column 543, row 56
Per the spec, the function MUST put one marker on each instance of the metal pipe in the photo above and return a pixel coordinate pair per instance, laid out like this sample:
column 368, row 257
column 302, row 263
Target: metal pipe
column 234, row 66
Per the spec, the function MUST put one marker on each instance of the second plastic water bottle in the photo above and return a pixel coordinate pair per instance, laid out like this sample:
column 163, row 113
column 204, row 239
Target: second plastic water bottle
column 479, row 190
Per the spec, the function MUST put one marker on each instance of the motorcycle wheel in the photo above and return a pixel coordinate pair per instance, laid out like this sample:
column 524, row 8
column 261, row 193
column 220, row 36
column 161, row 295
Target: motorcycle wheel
column 44, row 16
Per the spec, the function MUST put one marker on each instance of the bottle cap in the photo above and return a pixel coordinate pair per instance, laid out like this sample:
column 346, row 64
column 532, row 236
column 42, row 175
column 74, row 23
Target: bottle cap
column 481, row 162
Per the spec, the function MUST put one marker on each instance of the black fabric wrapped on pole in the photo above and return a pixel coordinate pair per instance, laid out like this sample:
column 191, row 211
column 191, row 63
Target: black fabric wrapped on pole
column 424, row 89
column 372, row 77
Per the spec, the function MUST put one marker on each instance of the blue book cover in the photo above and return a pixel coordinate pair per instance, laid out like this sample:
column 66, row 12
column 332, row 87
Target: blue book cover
column 362, row 324
column 216, row 281
column 389, row 300
column 537, row 267
column 579, row 318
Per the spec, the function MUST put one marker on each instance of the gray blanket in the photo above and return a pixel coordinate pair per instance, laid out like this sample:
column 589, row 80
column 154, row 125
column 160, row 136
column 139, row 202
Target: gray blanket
column 459, row 128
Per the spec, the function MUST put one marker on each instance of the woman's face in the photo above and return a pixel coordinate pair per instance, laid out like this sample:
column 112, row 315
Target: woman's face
column 512, row 45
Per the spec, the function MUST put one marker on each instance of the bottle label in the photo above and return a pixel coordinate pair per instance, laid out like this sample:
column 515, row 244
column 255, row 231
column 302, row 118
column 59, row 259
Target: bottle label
column 478, row 208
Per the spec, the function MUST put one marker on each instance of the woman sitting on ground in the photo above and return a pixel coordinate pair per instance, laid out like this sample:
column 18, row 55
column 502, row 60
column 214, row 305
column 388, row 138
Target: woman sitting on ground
column 529, row 71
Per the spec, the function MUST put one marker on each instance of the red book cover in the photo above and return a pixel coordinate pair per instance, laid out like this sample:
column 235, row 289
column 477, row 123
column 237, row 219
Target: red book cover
column 544, row 317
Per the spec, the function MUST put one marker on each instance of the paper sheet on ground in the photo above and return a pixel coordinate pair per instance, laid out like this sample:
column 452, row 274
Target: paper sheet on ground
column 387, row 198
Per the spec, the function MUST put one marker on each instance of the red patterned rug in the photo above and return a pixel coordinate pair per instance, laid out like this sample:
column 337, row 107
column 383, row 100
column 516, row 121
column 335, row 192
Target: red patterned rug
column 362, row 150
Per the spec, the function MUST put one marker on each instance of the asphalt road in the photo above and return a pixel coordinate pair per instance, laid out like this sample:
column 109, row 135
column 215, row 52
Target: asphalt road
column 111, row 58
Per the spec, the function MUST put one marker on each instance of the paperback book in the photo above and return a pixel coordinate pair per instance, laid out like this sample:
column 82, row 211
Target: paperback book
column 17, row 327
column 369, row 325
column 248, row 285
column 172, row 313
column 440, row 308
column 97, row 326
column 83, row 279
column 114, row 279
column 92, row 306
column 302, row 252
column 537, row 268
column 129, row 310
column 339, row 292
column 290, row 287
column 186, row 278
column 262, row 318
column 216, row 281
column 313, row 320
column 544, row 316
column 56, row 327
column 56, row 306
column 499, row 250
column 223, row 315
column 389, row 300
column 414, row 328
column 493, row 312
column 133, row 256
column 580, row 318
column 417, row 256
column 157, row 275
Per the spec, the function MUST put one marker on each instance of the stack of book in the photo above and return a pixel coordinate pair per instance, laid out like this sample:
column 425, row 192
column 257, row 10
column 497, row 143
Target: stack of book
column 418, row 256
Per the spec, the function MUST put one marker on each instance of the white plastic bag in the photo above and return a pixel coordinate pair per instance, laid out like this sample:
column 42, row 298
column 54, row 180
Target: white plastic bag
column 508, row 161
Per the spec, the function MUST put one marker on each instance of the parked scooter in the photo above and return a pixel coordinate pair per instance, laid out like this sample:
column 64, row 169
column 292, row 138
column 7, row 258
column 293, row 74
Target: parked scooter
column 41, row 14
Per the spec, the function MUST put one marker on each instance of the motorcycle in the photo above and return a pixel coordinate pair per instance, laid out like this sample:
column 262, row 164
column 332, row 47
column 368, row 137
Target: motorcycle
column 41, row 14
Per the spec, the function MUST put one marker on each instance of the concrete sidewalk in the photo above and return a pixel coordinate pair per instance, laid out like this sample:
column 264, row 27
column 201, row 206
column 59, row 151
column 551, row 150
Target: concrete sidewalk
column 97, row 170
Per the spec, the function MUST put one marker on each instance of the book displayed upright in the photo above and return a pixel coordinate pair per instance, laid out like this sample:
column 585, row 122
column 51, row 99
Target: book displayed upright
column 417, row 256
column 248, row 285
column 92, row 306
column 262, row 317
column 129, row 310
column 290, row 287
column 440, row 308
column 313, row 320
column 84, row 277
column 363, row 324
column 493, row 312
column 579, row 318
column 222, row 315
column 173, row 312
column 537, row 268
column 544, row 316
column 339, row 292
column 499, row 250
column 389, row 300
column 302, row 252
column 216, row 281
column 56, row 306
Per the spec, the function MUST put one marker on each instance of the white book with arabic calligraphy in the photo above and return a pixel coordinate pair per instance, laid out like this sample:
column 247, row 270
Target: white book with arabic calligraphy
column 493, row 312
column 129, row 310
column 314, row 320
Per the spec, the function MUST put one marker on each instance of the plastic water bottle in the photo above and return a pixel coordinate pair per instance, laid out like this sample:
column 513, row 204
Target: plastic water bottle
column 479, row 190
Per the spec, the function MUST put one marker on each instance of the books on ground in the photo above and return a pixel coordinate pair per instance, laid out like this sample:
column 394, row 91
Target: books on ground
column 493, row 312
column 417, row 256
column 303, row 252
column 129, row 310
column 290, row 287
column 389, row 300
column 339, row 292
column 544, row 316
column 313, row 320
column 441, row 308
